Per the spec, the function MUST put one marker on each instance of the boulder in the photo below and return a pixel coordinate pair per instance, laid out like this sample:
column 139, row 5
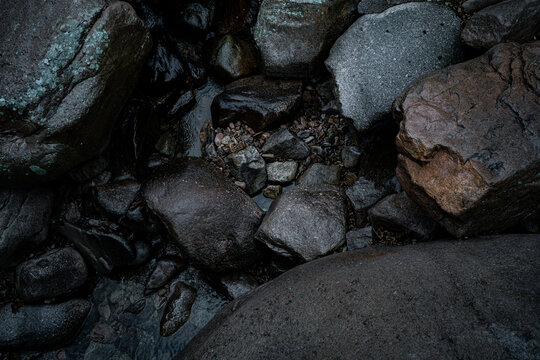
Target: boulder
column 469, row 140
column 211, row 219
column 249, row 167
column 258, row 102
column 294, row 36
column 378, row 6
column 286, row 145
column 59, row 102
column 472, row 299
column 509, row 20
column 233, row 58
column 305, row 222
column 377, row 57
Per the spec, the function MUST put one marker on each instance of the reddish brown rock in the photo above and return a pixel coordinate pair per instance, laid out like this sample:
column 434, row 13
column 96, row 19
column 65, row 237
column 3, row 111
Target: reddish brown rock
column 469, row 140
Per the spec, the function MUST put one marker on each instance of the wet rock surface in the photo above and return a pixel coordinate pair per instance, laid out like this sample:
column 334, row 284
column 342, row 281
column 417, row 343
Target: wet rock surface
column 286, row 145
column 320, row 174
column 359, row 239
column 378, row 6
column 177, row 309
column 249, row 167
column 165, row 270
column 116, row 198
column 471, row 157
column 282, row 172
column 363, row 194
column 233, row 58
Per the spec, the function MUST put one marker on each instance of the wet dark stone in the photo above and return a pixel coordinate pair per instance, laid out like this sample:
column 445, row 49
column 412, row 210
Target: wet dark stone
column 89, row 169
column 258, row 102
column 249, row 167
column 166, row 268
column 363, row 194
column 177, row 309
column 236, row 285
column 320, row 174
column 55, row 273
column 164, row 68
column 284, row 144
column 198, row 15
column 234, row 16
column 233, row 58
column 117, row 197
column 359, row 239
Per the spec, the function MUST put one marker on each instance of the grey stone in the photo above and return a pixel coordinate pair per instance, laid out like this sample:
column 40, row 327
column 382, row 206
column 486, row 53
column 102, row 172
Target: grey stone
column 350, row 155
column 471, row 6
column 59, row 102
column 320, row 174
column 55, row 273
column 249, row 167
column 294, row 36
column 236, row 285
column 177, row 309
column 117, row 197
column 398, row 213
column 510, row 20
column 377, row 57
column 282, row 172
column 305, row 222
column 165, row 270
column 198, row 15
column 33, row 327
column 378, row 6
column 286, row 145
column 24, row 222
column 233, row 58
column 363, row 194
column 359, row 239
column 210, row 218
column 473, row 299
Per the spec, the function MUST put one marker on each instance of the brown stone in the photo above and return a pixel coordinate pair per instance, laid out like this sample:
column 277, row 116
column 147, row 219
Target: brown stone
column 469, row 140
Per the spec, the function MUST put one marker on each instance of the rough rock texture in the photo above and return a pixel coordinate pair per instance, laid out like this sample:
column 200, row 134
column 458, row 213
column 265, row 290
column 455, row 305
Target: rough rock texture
column 471, row 6
column 165, row 270
column 397, row 213
column 305, row 222
column 470, row 140
column 236, row 285
column 320, row 174
column 377, row 6
column 510, row 20
column 41, row 326
column 233, row 58
column 249, row 167
column 258, row 102
column 52, row 274
column 294, row 36
column 282, row 172
column 59, row 102
column 380, row 54
column 211, row 219
column 24, row 222
column 440, row 300
column 284, row 144
column 363, row 194
column 177, row 309
column 359, row 239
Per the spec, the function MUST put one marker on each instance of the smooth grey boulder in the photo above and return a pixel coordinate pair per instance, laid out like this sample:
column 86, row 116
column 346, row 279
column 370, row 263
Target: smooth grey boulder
column 474, row 299
column 305, row 222
column 284, row 144
column 55, row 273
column 67, row 69
column 377, row 57
column 24, row 222
column 211, row 219
column 363, row 194
column 294, row 36
column 377, row 6
column 249, row 167
column 43, row 326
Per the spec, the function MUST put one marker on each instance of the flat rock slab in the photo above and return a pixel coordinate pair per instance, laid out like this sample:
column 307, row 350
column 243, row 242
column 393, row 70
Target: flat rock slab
column 469, row 140
column 380, row 54
column 475, row 299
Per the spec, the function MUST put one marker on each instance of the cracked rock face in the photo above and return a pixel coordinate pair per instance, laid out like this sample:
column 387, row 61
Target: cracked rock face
column 67, row 70
column 471, row 157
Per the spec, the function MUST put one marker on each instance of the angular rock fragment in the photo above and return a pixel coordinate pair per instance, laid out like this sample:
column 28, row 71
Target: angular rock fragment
column 284, row 144
column 320, row 174
column 249, row 167
column 363, row 194
column 165, row 269
column 282, row 172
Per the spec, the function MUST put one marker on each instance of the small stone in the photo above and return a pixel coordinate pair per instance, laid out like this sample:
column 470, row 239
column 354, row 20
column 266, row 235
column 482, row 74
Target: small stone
column 177, row 309
column 226, row 140
column 240, row 184
column 218, row 139
column 350, row 156
column 320, row 174
column 233, row 58
column 282, row 172
column 116, row 198
column 166, row 268
column 236, row 285
column 359, row 239
column 272, row 191
column 285, row 145
column 363, row 194
column 248, row 166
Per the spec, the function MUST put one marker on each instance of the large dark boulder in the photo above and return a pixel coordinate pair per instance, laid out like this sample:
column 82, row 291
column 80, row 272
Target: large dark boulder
column 469, row 140
column 67, row 69
column 212, row 220
column 474, row 299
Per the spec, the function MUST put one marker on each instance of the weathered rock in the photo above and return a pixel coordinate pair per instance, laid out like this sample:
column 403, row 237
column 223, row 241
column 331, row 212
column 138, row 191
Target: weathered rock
column 282, row 172
column 24, row 222
column 248, row 166
column 398, row 214
column 198, row 15
column 258, row 102
column 359, row 239
column 294, row 35
column 178, row 309
column 55, row 273
column 305, row 222
column 59, row 102
column 510, row 20
column 380, row 54
column 470, row 140
column 378, row 6
column 350, row 156
column 272, row 191
column 117, row 197
column 320, row 174
column 286, row 145
column 439, row 300
column 363, row 194
column 233, row 58
column 471, row 6
column 211, row 219
column 33, row 327
column 166, row 268
column 236, row 285
column 90, row 169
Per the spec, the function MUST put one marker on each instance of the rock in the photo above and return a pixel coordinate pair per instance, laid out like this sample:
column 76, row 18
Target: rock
column 211, row 219
column 272, row 191
column 375, row 59
column 233, row 58
column 33, row 327
column 164, row 271
column 470, row 6
column 305, row 222
column 363, row 194
column 398, row 214
column 320, row 174
column 282, row 172
column 378, row 6
column 90, row 169
column 249, row 167
column 117, row 197
column 24, row 222
column 104, row 251
column 286, row 145
column 359, row 239
column 438, row 300
column 258, row 102
column 294, row 36
column 469, row 156
column 178, row 309
column 59, row 102
column 55, row 273
column 236, row 285
column 510, row 20
column 350, row 156
column 197, row 16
